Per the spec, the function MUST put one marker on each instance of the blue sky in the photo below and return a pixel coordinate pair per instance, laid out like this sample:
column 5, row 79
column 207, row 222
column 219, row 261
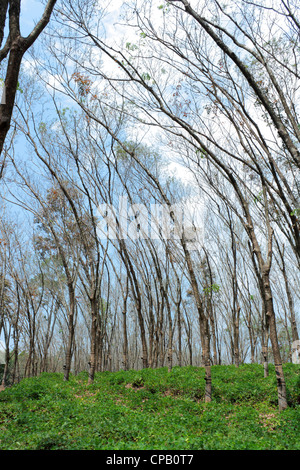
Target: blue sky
column 31, row 12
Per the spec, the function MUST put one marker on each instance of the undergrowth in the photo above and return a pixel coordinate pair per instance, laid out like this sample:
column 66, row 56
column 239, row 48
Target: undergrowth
column 152, row 409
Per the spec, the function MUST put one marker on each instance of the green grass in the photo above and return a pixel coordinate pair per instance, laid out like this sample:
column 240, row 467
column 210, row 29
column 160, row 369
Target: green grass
column 152, row 409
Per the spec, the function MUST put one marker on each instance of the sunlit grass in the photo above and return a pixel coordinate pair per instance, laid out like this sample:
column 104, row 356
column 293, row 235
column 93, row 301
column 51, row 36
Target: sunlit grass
column 152, row 409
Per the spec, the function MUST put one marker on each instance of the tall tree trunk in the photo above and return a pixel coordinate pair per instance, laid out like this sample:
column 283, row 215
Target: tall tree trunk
column 236, row 336
column 281, row 386
column 71, row 332
column 179, row 325
column 125, row 336
column 93, row 355
column 207, row 365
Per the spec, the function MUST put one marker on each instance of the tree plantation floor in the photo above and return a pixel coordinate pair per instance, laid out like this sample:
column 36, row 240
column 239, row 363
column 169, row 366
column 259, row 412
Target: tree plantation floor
column 152, row 409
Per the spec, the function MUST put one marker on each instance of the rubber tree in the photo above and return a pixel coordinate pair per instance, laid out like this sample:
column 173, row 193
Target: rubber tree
column 13, row 49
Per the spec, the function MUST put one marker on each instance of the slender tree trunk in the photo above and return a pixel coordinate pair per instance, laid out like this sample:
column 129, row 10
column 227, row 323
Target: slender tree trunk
column 207, row 365
column 179, row 325
column 281, row 386
column 71, row 332
column 125, row 336
column 213, row 333
column 170, row 343
column 143, row 335
column 188, row 331
column 92, row 363
column 16, row 354
column 236, row 335
column 264, row 337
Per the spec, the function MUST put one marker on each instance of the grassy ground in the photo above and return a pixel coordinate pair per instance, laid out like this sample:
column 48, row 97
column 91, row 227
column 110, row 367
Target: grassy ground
column 151, row 409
